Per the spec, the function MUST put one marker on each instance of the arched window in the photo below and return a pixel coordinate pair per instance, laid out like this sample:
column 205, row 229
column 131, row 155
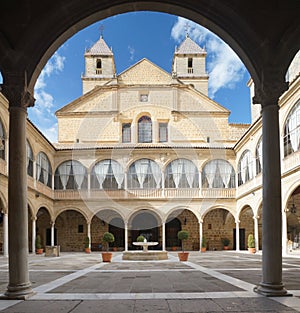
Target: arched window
column 2, row 141
column 218, row 174
column 144, row 173
column 70, row 175
column 99, row 66
column 29, row 159
column 245, row 167
column 291, row 139
column 181, row 173
column 145, row 129
column 259, row 156
column 43, row 169
column 107, row 174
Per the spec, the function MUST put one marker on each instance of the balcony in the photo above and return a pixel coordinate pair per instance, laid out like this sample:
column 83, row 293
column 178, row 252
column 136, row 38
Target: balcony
column 291, row 162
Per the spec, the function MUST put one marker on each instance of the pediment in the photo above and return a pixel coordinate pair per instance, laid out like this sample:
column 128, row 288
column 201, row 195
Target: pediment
column 144, row 73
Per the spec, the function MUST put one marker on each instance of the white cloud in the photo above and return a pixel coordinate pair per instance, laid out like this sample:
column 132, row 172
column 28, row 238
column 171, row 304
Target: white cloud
column 223, row 65
column 131, row 53
column 42, row 113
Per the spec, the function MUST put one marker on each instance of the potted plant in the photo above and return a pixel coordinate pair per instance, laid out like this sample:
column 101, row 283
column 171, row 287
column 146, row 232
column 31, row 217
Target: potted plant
column 87, row 247
column 251, row 243
column 225, row 242
column 107, row 238
column 140, row 238
column 183, row 235
column 203, row 244
column 38, row 245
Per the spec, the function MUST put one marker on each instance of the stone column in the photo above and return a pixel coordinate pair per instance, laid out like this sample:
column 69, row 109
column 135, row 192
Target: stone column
column 89, row 233
column 200, row 234
column 284, row 234
column 5, row 235
column 163, row 236
column 237, row 235
column 256, row 234
column 19, row 286
column 126, row 236
column 52, row 233
column 33, row 234
column 268, row 94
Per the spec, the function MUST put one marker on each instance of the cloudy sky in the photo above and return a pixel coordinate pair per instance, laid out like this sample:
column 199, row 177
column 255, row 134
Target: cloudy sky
column 132, row 37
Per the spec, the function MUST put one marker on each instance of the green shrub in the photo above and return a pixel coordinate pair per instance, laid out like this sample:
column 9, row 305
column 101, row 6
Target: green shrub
column 140, row 238
column 225, row 242
column 38, row 242
column 108, row 238
column 182, row 235
column 203, row 243
column 87, row 242
column 251, row 241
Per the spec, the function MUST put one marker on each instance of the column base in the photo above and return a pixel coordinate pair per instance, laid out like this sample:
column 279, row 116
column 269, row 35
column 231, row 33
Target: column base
column 20, row 292
column 271, row 290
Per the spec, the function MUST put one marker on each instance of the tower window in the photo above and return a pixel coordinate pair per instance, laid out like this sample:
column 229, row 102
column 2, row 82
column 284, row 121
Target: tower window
column 99, row 66
column 190, row 65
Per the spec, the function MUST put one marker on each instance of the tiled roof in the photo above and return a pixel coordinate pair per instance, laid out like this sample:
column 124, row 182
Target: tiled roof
column 188, row 46
column 99, row 48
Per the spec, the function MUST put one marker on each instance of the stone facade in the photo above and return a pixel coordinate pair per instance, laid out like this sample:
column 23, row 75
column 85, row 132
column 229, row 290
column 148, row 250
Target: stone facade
column 90, row 131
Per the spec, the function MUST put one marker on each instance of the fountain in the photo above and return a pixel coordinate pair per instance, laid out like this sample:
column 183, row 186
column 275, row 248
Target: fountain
column 145, row 254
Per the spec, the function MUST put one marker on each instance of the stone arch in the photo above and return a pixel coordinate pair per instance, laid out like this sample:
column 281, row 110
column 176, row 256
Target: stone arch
column 43, row 225
column 107, row 219
column 246, row 225
column 71, row 229
column 218, row 223
column 182, row 218
column 146, row 222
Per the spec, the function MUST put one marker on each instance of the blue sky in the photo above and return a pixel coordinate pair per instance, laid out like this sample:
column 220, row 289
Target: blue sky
column 132, row 37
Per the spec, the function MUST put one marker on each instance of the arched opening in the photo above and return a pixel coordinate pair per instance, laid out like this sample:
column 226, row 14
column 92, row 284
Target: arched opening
column 71, row 231
column 218, row 224
column 147, row 224
column 173, row 226
column 246, row 226
column 107, row 220
column 43, row 227
column 293, row 221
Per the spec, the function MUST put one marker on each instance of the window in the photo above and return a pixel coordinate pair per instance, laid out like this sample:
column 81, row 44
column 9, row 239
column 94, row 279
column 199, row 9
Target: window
column 218, row 174
column 126, row 132
column 144, row 174
column 163, row 132
column 144, row 97
column 99, row 67
column 259, row 156
column 291, row 139
column 190, row 65
column 144, row 129
column 245, row 168
column 29, row 159
column 43, row 169
column 181, row 173
column 2, row 141
column 107, row 174
column 70, row 175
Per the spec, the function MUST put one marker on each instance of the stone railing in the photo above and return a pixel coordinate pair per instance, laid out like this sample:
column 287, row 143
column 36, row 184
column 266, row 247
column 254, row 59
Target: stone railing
column 291, row 162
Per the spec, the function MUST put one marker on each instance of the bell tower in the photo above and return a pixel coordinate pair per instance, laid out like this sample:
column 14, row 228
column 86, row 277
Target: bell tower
column 189, row 63
column 99, row 66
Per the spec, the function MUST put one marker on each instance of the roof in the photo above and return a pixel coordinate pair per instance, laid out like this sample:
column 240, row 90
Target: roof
column 99, row 48
column 188, row 46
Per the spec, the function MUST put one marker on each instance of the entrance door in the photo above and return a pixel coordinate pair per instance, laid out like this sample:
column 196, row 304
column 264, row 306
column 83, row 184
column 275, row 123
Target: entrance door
column 242, row 239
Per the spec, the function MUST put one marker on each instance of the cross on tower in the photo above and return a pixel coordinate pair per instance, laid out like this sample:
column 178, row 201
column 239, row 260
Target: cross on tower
column 187, row 27
column 101, row 29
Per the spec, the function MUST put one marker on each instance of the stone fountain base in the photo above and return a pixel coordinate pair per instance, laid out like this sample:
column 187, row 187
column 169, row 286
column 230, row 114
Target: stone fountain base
column 145, row 256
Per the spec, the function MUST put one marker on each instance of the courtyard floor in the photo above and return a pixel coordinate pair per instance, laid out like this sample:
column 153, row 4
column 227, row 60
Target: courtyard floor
column 209, row 282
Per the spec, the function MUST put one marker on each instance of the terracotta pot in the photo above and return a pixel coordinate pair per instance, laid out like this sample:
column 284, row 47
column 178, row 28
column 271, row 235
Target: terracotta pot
column 106, row 256
column 39, row 251
column 203, row 249
column 252, row 250
column 87, row 250
column 226, row 248
column 183, row 256
column 174, row 248
column 115, row 249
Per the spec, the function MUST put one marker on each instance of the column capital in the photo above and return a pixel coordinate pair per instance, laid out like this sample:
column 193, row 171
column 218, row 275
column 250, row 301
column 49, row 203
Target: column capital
column 271, row 87
column 16, row 91
column 237, row 221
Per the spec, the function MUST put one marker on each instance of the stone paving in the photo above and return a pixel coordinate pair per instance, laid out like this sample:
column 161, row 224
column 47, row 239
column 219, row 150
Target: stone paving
column 208, row 282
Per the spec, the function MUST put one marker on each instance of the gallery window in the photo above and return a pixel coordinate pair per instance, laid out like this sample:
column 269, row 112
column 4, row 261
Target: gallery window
column 43, row 169
column 2, row 141
column 245, row 168
column 29, row 159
